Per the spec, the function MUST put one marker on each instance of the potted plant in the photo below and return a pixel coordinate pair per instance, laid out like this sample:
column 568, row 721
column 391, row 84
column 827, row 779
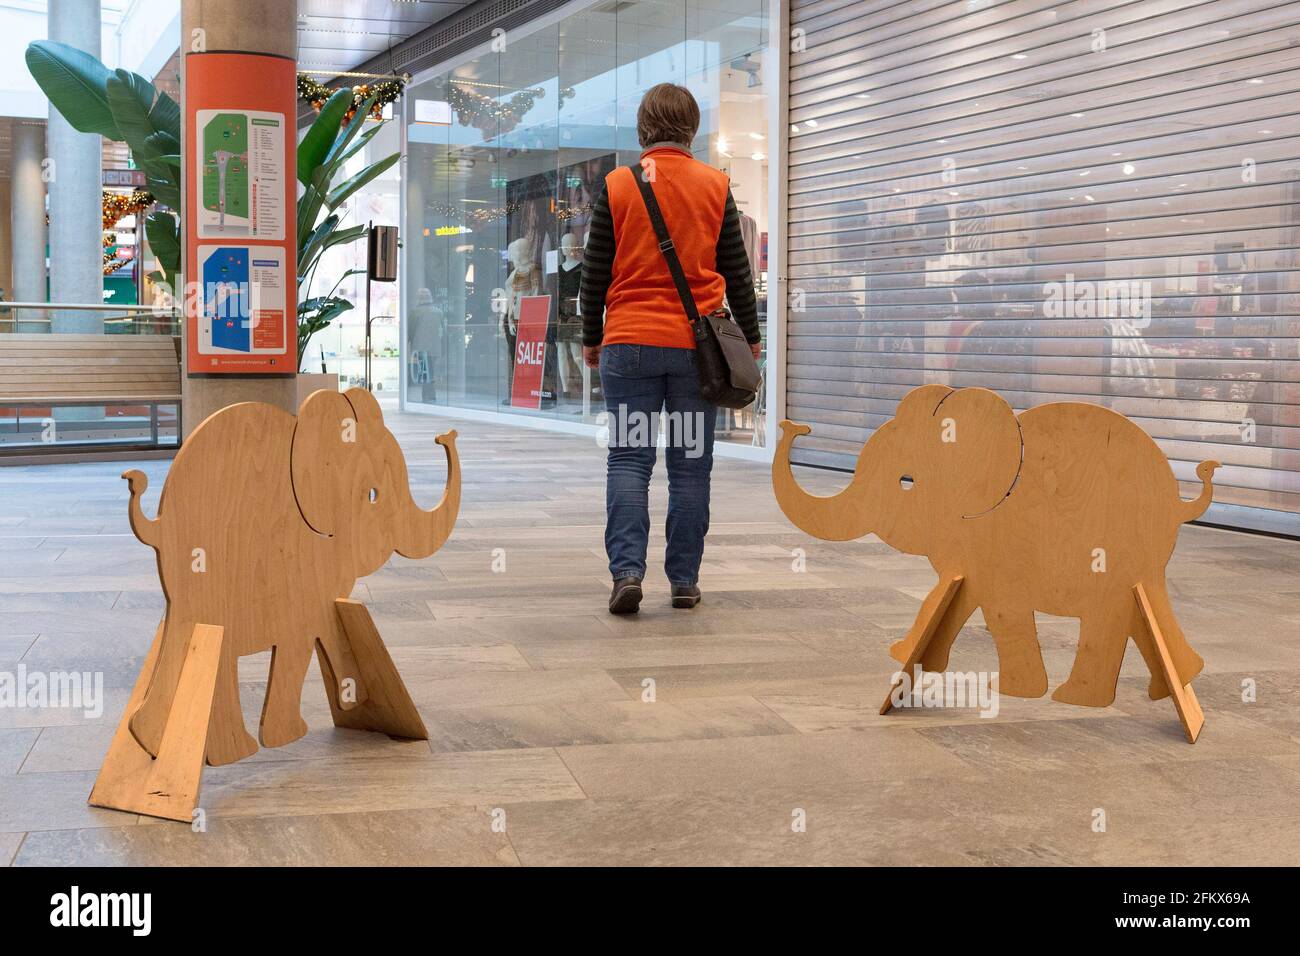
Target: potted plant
column 126, row 107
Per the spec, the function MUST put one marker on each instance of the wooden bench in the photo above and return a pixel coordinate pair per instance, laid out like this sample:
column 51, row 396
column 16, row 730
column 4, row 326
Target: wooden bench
column 59, row 370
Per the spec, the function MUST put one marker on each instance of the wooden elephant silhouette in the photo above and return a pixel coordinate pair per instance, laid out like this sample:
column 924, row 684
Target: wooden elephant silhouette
column 264, row 525
column 1068, row 508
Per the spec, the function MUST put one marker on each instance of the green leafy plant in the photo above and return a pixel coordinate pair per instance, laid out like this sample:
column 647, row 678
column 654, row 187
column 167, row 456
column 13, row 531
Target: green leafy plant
column 323, row 153
column 127, row 108
column 124, row 107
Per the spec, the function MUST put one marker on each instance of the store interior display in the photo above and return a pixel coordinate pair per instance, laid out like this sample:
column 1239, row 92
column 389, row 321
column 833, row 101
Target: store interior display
column 1067, row 509
column 499, row 192
column 301, row 480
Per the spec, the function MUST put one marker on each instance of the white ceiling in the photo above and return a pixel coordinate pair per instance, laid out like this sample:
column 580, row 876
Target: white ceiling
column 338, row 35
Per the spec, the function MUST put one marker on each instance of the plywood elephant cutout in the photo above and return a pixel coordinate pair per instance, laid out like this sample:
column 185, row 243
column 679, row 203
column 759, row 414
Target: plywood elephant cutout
column 265, row 523
column 1069, row 509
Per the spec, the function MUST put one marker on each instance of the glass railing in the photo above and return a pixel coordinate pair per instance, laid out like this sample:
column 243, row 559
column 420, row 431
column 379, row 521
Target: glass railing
column 35, row 317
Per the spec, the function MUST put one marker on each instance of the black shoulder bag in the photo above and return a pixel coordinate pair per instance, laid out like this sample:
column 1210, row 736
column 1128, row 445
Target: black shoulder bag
column 729, row 375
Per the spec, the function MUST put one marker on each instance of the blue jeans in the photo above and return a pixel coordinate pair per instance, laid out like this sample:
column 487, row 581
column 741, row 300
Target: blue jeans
column 639, row 382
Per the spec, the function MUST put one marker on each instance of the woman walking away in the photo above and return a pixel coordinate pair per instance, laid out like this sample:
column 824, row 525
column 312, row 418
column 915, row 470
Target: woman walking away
column 635, row 330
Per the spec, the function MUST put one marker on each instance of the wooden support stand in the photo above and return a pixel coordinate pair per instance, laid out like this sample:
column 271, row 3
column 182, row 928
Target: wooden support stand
column 929, row 626
column 1185, row 702
column 388, row 708
column 166, row 786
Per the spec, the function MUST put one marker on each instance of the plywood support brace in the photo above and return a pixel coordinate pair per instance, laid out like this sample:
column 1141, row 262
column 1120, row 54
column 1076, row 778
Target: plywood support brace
column 166, row 786
column 388, row 708
column 929, row 626
column 1185, row 702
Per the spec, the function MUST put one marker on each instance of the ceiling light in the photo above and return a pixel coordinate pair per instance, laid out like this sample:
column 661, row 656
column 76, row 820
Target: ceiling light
column 1018, row 56
column 755, row 135
column 757, row 157
column 1129, row 169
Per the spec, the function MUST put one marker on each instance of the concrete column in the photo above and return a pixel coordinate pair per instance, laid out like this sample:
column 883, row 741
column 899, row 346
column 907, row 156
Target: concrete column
column 249, row 26
column 76, row 217
column 27, row 222
column 6, row 241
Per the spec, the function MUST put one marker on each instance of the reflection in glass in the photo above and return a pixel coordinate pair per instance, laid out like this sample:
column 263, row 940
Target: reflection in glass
column 506, row 154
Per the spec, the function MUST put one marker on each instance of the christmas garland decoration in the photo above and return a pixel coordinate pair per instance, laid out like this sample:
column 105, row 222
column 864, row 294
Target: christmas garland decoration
column 488, row 115
column 479, row 216
column 111, row 262
column 384, row 92
column 117, row 206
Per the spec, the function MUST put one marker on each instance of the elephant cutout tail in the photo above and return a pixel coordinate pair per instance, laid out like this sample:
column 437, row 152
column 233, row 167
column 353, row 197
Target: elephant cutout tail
column 1191, row 510
column 145, row 529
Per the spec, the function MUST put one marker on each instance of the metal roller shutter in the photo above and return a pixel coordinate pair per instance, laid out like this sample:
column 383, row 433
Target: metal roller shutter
column 1095, row 201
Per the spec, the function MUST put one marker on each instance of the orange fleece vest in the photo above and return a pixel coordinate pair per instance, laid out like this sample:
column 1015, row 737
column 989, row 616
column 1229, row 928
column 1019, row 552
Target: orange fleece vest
column 642, row 306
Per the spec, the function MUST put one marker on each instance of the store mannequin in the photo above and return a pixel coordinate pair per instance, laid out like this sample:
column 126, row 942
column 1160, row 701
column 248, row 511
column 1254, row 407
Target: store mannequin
column 524, row 279
column 570, row 330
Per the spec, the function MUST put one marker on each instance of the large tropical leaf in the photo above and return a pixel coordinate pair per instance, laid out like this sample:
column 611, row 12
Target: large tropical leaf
column 360, row 144
column 163, row 230
column 333, row 159
column 337, row 238
column 161, row 144
column 339, row 194
column 166, row 116
column 321, row 135
column 308, row 251
column 75, row 83
column 131, row 97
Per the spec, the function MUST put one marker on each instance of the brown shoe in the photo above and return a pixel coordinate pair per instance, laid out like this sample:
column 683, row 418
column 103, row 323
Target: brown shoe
column 686, row 595
column 626, row 596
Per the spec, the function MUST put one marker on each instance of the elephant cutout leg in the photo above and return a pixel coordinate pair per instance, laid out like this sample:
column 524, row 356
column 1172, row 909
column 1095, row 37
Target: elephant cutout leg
column 282, row 721
column 1103, row 637
column 150, row 719
column 1187, row 662
column 1020, row 659
column 228, row 738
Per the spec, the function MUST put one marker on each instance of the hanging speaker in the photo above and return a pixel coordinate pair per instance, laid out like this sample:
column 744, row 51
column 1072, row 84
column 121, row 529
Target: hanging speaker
column 381, row 260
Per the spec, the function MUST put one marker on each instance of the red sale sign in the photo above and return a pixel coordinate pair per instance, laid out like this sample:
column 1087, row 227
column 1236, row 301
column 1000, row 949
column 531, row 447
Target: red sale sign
column 530, row 351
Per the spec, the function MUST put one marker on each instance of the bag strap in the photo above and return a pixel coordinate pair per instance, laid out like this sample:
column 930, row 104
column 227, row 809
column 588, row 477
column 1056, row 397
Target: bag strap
column 666, row 246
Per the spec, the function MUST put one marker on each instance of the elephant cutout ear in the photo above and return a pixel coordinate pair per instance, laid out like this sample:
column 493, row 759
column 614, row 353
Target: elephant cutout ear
column 979, row 449
column 326, row 453
column 921, row 401
column 366, row 408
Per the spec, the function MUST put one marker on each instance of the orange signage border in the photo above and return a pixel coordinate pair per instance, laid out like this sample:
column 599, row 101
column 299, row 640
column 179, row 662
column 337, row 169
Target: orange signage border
column 240, row 222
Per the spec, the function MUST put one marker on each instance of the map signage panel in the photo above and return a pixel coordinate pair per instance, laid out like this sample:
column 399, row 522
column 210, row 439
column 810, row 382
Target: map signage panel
column 240, row 252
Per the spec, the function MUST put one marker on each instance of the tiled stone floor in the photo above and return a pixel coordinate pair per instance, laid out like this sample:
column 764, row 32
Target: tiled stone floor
column 764, row 709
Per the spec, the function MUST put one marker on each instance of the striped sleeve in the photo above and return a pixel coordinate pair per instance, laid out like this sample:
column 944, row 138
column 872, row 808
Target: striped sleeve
column 733, row 265
column 597, row 267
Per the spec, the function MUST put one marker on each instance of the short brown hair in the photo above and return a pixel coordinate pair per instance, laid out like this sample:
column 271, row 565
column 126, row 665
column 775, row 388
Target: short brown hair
column 668, row 114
